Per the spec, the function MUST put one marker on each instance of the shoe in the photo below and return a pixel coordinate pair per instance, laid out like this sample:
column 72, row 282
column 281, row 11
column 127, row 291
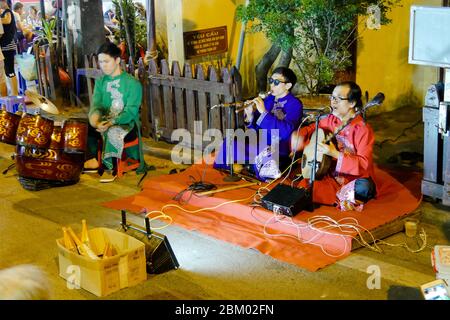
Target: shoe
column 90, row 165
column 108, row 177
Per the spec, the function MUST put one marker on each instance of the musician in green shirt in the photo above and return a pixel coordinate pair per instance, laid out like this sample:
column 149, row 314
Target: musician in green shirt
column 114, row 114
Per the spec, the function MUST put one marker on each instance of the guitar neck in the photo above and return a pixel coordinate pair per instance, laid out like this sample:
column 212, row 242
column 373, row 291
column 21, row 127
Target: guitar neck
column 376, row 101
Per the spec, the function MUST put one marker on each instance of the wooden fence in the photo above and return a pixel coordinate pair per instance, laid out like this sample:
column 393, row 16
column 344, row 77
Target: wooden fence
column 175, row 98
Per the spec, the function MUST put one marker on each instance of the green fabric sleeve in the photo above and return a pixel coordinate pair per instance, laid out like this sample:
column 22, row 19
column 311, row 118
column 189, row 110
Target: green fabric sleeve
column 133, row 100
column 96, row 106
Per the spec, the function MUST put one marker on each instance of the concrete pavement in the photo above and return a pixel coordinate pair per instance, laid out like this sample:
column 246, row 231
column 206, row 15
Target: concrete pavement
column 209, row 268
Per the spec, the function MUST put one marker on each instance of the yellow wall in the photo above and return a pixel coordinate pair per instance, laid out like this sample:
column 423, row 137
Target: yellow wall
column 201, row 14
column 382, row 61
column 382, row 56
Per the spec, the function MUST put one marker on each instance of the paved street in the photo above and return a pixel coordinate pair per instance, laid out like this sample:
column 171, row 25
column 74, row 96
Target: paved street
column 209, row 268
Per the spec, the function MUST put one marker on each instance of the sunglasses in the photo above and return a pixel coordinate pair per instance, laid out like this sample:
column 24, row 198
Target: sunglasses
column 333, row 98
column 275, row 81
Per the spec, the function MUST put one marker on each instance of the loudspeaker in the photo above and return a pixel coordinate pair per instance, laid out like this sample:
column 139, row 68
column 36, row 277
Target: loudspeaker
column 158, row 252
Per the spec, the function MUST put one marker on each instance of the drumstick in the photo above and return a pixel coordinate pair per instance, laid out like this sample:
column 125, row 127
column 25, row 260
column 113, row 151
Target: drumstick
column 204, row 193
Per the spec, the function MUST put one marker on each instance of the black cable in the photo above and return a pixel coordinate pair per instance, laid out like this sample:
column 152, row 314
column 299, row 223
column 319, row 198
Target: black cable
column 380, row 144
column 195, row 187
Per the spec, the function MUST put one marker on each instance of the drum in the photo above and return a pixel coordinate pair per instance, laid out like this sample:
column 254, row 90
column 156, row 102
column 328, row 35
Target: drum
column 55, row 142
column 74, row 136
column 51, row 165
column 9, row 122
column 34, row 131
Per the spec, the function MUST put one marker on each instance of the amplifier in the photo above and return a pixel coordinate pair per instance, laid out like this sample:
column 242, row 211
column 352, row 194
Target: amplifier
column 286, row 200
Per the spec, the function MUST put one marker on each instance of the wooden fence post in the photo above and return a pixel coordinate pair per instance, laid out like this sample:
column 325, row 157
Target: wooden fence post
column 167, row 98
column 228, row 113
column 155, row 98
column 145, row 109
column 190, row 102
column 179, row 101
column 214, row 98
column 201, row 99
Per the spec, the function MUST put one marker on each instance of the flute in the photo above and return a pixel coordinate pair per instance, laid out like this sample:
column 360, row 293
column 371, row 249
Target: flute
column 252, row 103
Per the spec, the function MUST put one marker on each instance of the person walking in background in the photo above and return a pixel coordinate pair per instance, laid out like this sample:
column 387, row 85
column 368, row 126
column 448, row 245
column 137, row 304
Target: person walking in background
column 8, row 46
column 24, row 34
column 33, row 19
column 3, row 91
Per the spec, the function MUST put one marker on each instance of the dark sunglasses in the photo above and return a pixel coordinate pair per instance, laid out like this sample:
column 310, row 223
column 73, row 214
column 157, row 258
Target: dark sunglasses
column 275, row 81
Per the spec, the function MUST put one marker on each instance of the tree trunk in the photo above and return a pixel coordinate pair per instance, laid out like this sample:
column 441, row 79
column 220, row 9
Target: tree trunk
column 285, row 58
column 262, row 68
column 130, row 42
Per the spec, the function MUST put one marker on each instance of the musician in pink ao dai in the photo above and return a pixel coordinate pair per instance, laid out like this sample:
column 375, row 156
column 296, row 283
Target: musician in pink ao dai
column 349, row 182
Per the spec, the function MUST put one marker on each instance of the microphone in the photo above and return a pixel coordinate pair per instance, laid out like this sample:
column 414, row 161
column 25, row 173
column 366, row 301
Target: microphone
column 325, row 110
column 314, row 113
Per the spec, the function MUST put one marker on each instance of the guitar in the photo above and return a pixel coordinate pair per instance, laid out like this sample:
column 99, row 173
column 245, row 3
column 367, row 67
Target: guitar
column 323, row 161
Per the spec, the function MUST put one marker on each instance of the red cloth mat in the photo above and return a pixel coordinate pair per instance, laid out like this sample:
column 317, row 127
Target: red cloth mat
column 257, row 228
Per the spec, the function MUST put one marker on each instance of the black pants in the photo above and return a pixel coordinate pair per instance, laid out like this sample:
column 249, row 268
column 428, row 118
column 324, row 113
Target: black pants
column 365, row 189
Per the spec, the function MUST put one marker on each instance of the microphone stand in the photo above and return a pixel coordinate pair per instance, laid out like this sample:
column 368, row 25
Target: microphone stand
column 314, row 163
column 230, row 152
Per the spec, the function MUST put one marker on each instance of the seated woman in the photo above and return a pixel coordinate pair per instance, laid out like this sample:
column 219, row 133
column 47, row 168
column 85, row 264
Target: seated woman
column 273, row 120
column 114, row 114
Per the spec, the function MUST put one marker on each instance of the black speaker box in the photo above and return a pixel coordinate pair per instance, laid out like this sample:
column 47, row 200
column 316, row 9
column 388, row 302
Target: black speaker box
column 158, row 252
column 287, row 200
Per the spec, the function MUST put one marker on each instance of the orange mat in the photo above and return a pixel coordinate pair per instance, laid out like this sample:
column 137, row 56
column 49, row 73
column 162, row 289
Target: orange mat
column 290, row 240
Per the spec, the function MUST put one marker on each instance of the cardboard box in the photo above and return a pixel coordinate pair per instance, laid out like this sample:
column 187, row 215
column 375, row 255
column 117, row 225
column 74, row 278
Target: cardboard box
column 440, row 259
column 104, row 276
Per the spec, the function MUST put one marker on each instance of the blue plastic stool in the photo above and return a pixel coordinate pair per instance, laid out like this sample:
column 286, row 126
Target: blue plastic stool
column 79, row 72
column 23, row 84
column 91, row 73
column 12, row 103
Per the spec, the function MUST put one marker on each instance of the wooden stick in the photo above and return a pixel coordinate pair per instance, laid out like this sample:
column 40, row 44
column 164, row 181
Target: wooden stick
column 204, row 193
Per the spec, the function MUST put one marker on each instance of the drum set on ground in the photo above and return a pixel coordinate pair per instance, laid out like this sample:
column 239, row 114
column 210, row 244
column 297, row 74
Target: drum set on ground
column 50, row 150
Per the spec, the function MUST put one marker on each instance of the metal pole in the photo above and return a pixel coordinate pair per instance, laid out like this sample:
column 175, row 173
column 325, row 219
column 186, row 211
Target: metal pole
column 42, row 9
column 241, row 41
column 127, row 31
column 151, row 33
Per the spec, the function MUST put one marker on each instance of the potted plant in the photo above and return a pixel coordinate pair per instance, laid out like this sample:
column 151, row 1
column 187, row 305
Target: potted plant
column 315, row 34
column 47, row 31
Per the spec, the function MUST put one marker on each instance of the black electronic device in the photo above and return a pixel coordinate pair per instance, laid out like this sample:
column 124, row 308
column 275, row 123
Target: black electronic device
column 158, row 252
column 287, row 200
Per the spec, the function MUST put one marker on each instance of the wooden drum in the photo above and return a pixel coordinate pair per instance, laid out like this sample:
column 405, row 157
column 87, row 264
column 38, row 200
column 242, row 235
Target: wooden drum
column 34, row 131
column 42, row 168
column 48, row 164
column 74, row 136
column 55, row 142
column 9, row 122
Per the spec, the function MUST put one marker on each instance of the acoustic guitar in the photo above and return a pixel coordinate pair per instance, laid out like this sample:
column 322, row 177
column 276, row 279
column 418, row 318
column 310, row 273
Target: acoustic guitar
column 323, row 161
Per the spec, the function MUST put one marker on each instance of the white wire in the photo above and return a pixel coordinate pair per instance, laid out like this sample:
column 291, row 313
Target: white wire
column 296, row 145
column 348, row 226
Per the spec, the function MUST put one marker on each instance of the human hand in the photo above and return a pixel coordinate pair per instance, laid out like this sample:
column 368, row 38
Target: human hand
column 328, row 149
column 103, row 126
column 259, row 104
column 297, row 142
column 248, row 114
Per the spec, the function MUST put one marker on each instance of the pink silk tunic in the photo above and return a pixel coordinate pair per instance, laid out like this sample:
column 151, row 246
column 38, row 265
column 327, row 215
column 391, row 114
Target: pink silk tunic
column 355, row 145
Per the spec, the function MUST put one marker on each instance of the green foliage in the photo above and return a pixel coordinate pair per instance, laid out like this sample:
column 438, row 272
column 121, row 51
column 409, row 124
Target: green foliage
column 136, row 18
column 47, row 30
column 319, row 31
column 128, row 17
